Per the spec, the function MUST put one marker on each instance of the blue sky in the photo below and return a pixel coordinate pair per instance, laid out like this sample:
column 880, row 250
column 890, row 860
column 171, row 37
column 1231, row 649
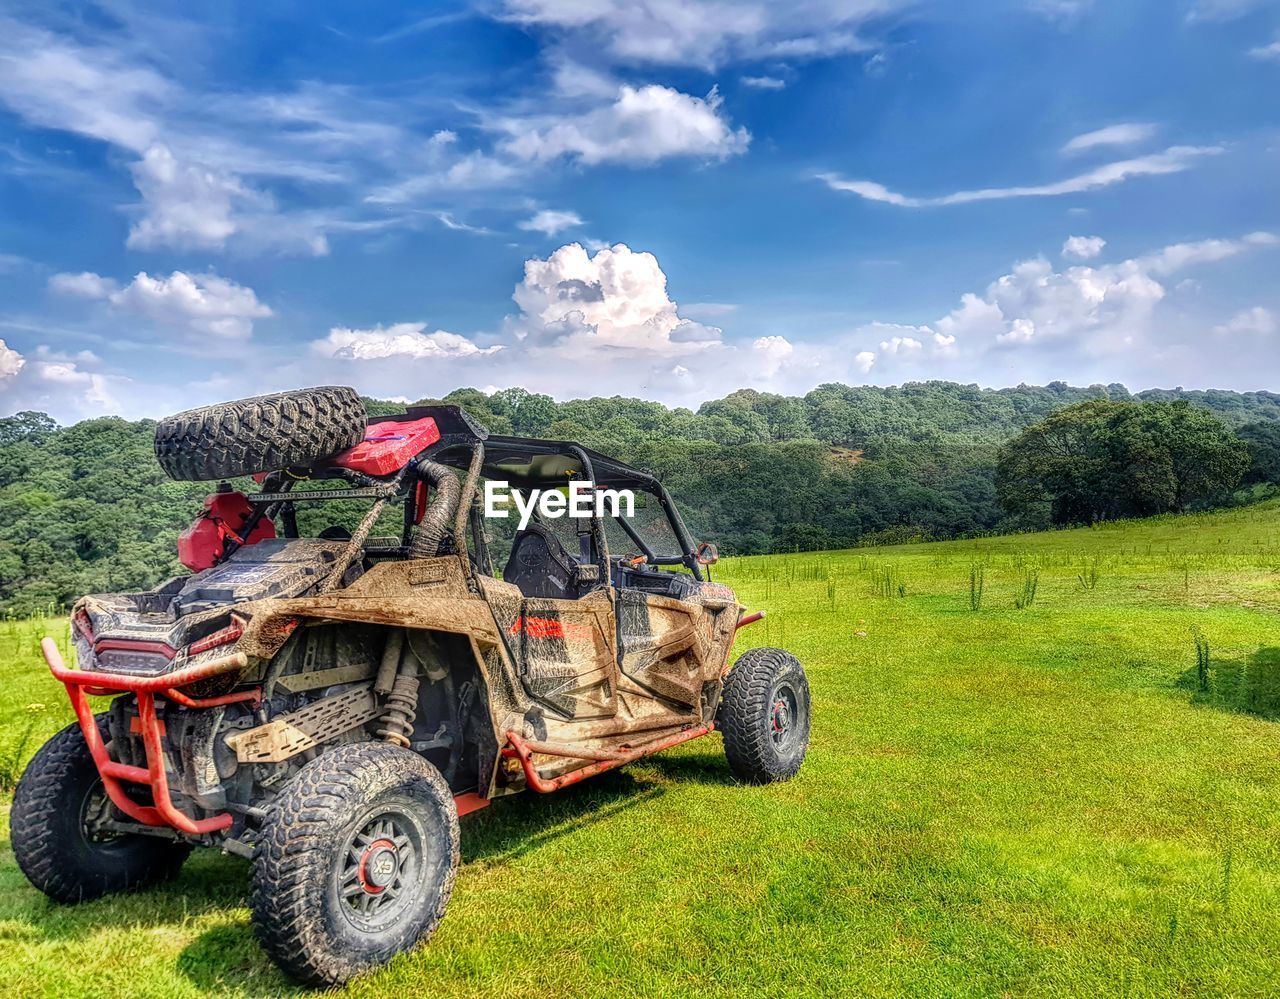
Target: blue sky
column 656, row 198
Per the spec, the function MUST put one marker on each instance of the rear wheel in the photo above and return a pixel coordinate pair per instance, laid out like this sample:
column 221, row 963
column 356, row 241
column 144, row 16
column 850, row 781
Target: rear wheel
column 764, row 715
column 355, row 862
column 262, row 434
column 58, row 833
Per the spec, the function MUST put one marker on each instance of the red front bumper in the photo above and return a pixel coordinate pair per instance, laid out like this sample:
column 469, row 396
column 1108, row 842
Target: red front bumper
column 81, row 683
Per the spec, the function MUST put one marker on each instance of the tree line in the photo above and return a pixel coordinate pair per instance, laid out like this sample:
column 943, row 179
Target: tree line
column 85, row 508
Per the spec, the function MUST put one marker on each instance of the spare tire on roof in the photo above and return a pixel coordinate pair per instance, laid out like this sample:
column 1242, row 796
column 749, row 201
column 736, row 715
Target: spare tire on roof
column 262, row 434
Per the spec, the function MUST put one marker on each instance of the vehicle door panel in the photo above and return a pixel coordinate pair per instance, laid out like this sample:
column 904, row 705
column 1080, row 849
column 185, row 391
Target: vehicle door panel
column 664, row 645
column 565, row 650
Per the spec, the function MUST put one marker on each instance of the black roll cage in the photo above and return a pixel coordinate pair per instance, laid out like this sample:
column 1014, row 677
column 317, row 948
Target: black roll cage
column 461, row 437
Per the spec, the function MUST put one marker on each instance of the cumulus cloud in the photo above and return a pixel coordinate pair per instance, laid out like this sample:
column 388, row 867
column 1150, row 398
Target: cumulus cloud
column 1175, row 159
column 615, row 298
column 864, row 360
column 550, row 221
column 641, row 126
column 201, row 303
column 191, row 303
column 1124, row 134
column 901, row 345
column 400, row 340
column 1083, row 247
column 11, row 361
column 594, row 323
column 1271, row 51
column 1258, row 320
column 51, row 381
column 1100, row 309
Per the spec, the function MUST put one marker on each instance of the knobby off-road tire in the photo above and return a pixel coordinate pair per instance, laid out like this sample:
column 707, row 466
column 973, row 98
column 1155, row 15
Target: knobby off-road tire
column 355, row 862
column 54, row 847
column 262, row 434
column 764, row 715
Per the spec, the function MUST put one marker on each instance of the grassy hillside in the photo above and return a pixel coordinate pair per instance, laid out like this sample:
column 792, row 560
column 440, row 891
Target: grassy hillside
column 1041, row 800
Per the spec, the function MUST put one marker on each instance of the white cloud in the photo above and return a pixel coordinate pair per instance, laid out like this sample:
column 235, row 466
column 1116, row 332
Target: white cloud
column 190, row 206
column 550, row 221
column 901, row 345
column 193, row 150
column 200, row 303
column 1099, row 309
column 1271, row 51
column 1020, row 331
column 1178, row 256
column 1083, row 247
column 587, row 323
column 51, row 83
column 1258, row 320
column 400, row 340
column 642, row 126
column 11, row 361
column 1124, row 134
column 439, row 166
column 763, row 82
column 616, row 298
column 447, row 220
column 864, row 360
column 50, row 381
column 704, row 33
column 1175, row 159
column 192, row 303
column 83, row 285
column 772, row 352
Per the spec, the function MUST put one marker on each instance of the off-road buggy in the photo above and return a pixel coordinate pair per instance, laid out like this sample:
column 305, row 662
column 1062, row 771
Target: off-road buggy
column 329, row 705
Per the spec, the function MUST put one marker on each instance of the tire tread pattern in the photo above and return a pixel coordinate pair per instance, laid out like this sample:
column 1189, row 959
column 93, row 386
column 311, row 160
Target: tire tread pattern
column 40, row 829
column 261, row 434
column 744, row 716
column 293, row 857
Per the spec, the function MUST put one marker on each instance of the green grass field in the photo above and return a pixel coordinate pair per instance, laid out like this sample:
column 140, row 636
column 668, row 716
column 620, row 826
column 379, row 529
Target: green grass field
column 1047, row 800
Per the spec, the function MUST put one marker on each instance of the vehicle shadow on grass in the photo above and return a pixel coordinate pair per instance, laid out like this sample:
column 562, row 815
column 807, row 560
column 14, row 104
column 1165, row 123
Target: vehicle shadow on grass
column 209, row 882
column 1250, row 685
column 226, row 956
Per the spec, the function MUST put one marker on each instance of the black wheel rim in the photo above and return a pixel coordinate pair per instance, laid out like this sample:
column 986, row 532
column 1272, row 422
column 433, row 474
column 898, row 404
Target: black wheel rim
column 378, row 874
column 95, row 811
column 785, row 722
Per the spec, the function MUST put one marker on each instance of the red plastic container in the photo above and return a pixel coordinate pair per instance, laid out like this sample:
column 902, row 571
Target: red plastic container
column 226, row 515
column 389, row 445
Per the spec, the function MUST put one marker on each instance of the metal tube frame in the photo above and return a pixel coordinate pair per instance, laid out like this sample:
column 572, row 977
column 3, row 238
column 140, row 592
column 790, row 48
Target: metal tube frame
column 523, row 750
column 81, row 683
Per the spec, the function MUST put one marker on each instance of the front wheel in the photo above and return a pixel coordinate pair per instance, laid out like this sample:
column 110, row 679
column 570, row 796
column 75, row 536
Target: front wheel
column 764, row 715
column 58, row 826
column 355, row 862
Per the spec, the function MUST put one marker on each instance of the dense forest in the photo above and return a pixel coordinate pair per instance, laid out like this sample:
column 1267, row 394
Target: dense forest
column 85, row 508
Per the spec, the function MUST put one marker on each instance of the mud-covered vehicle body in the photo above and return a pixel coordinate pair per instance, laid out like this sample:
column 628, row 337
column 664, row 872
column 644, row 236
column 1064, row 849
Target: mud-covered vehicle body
column 330, row 705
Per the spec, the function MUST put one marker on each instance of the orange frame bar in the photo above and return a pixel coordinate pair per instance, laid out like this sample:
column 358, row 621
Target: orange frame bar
column 80, row 683
column 523, row 751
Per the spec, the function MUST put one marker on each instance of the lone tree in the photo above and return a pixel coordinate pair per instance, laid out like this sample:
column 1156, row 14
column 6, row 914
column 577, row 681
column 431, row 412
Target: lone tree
column 1101, row 460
